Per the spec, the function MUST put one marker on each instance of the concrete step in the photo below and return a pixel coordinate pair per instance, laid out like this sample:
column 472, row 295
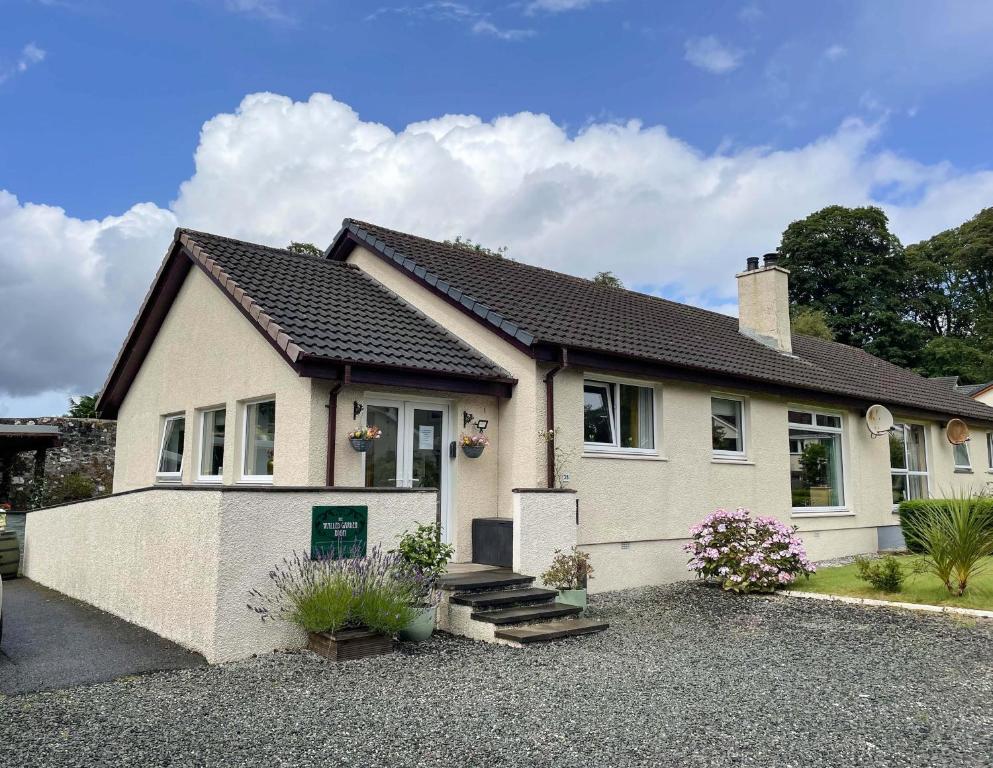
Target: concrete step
column 526, row 613
column 480, row 581
column 551, row 630
column 504, row 597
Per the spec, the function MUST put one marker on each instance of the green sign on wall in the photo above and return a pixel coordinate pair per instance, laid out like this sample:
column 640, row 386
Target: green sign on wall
column 338, row 532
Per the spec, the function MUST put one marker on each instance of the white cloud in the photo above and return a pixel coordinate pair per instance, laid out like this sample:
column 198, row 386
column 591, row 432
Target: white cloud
column 835, row 52
column 630, row 198
column 477, row 22
column 559, row 6
column 272, row 10
column 30, row 55
column 710, row 54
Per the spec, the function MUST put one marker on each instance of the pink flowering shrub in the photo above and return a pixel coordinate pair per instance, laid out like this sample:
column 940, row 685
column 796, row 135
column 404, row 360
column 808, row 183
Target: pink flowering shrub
column 747, row 554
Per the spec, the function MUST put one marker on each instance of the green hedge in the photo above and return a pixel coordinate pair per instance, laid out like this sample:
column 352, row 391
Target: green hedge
column 908, row 509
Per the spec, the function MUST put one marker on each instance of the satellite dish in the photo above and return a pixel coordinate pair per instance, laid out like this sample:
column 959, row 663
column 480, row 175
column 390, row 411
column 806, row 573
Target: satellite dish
column 957, row 431
column 879, row 420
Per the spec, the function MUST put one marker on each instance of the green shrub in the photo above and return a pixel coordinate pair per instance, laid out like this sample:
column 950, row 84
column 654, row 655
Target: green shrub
column 424, row 550
column 886, row 575
column 911, row 509
column 955, row 536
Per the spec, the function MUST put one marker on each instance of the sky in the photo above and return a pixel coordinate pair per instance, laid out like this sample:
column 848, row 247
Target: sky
column 665, row 142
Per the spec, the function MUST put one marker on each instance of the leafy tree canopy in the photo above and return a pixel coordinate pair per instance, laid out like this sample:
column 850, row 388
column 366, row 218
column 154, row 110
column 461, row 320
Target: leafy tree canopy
column 810, row 322
column 466, row 244
column 307, row 249
column 83, row 407
column 608, row 279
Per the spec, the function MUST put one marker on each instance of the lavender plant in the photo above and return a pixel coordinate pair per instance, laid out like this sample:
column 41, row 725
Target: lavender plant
column 324, row 595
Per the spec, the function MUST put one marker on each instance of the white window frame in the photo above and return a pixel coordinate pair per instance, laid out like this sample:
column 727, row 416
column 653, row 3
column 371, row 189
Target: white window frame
column 968, row 455
column 253, row 479
column 741, row 455
column 613, row 402
column 841, row 509
column 989, row 451
column 202, row 420
column 926, row 474
column 170, row 477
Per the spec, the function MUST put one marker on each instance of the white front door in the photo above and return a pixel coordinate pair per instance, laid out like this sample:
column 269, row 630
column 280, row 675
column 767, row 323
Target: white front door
column 413, row 449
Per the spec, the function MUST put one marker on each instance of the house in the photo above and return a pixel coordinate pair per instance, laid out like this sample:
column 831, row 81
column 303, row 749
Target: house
column 615, row 421
column 248, row 365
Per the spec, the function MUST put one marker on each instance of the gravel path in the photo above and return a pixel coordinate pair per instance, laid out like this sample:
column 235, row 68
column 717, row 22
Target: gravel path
column 686, row 676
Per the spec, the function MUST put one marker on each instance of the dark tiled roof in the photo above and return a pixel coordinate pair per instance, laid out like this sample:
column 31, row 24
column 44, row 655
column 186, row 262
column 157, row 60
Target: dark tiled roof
column 534, row 305
column 972, row 389
column 333, row 311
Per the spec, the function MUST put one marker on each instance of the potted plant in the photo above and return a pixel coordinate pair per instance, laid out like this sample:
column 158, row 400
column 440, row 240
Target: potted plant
column 350, row 608
column 359, row 438
column 569, row 574
column 427, row 555
column 473, row 445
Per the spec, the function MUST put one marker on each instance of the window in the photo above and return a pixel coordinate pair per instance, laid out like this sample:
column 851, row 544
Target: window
column 961, row 453
column 171, row 449
column 212, row 445
column 908, row 462
column 727, row 427
column 989, row 450
column 618, row 416
column 260, row 441
column 816, row 475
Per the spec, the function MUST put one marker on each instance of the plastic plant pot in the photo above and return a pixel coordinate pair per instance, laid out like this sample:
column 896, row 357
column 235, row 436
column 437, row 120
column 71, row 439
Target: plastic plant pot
column 422, row 626
column 575, row 597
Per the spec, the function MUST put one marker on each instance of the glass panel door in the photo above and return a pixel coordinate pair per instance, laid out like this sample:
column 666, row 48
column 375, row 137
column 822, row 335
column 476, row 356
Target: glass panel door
column 382, row 459
column 426, row 426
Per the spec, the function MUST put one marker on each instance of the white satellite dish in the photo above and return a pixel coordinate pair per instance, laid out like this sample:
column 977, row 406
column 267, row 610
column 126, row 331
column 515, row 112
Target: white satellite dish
column 879, row 420
column 957, row 431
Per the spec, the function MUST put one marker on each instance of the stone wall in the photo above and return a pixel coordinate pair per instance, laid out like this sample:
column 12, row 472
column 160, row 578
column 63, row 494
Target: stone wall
column 83, row 465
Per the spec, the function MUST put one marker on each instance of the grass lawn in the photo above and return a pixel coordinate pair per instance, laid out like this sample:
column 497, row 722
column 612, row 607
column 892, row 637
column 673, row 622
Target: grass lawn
column 917, row 587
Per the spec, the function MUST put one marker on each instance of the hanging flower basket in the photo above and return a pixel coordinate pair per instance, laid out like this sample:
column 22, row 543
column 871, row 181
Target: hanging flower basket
column 473, row 445
column 361, row 438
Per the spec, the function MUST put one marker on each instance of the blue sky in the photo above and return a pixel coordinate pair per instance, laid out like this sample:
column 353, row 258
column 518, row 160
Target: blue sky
column 762, row 110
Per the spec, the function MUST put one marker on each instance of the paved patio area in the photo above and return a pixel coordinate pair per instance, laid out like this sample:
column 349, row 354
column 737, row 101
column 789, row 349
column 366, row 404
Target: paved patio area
column 686, row 676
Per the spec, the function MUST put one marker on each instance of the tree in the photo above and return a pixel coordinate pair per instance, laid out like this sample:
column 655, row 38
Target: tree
column 466, row 244
column 306, row 249
column 951, row 356
column 82, row 407
column 608, row 279
column 810, row 322
column 846, row 264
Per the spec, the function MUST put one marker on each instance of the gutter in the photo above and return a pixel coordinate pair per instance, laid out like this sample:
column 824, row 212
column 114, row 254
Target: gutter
column 550, row 418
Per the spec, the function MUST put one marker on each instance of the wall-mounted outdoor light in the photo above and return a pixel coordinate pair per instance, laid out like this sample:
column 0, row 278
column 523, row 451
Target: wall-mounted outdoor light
column 482, row 424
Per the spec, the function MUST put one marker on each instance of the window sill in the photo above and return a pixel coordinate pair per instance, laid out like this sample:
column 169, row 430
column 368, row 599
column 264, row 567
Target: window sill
column 255, row 480
column 209, row 481
column 823, row 513
column 728, row 460
column 963, row 471
column 622, row 455
column 174, row 480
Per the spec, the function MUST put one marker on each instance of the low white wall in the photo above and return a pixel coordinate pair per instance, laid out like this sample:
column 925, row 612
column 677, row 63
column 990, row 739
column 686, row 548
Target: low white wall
column 182, row 562
column 150, row 558
column 259, row 529
column 544, row 521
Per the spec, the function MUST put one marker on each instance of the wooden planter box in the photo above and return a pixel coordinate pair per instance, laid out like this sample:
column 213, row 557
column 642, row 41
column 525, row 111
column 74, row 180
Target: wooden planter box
column 349, row 644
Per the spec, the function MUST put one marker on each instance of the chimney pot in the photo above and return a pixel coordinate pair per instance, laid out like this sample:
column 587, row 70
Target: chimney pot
column 771, row 259
column 752, row 262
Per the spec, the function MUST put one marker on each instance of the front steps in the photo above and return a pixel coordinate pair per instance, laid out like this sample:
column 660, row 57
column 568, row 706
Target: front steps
column 500, row 606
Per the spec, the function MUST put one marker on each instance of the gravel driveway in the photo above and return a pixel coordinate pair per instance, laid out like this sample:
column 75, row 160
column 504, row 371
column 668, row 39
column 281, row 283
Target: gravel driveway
column 686, row 676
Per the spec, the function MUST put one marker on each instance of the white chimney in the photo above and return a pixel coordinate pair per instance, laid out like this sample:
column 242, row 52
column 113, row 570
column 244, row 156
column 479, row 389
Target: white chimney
column 764, row 303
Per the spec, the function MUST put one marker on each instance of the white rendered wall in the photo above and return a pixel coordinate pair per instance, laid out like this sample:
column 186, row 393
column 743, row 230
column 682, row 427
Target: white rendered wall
column 544, row 521
column 182, row 563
